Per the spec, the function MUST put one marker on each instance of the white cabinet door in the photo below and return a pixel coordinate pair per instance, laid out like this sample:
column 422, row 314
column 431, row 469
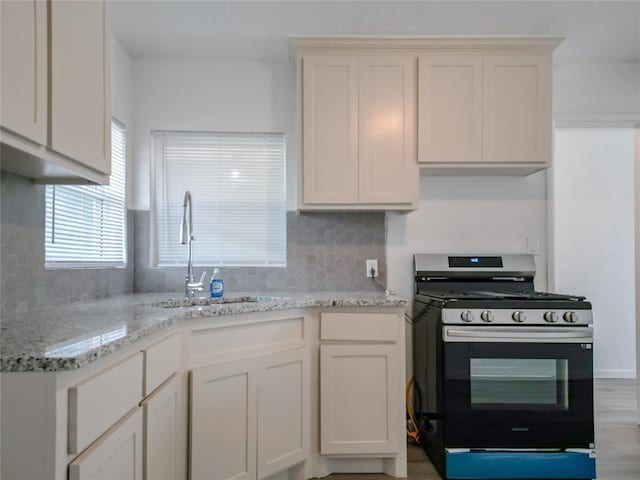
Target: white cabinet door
column 283, row 411
column 517, row 109
column 116, row 455
column 165, row 431
column 23, row 68
column 80, row 126
column 388, row 170
column 359, row 399
column 330, row 130
column 450, row 108
column 223, row 422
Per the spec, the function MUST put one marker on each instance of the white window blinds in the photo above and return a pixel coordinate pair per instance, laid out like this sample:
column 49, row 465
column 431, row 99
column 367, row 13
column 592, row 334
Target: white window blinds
column 237, row 183
column 86, row 225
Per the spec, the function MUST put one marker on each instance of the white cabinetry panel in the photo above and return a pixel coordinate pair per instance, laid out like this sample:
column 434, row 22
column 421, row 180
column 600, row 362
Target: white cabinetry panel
column 388, row 170
column 372, row 327
column 517, row 109
column 23, row 68
column 117, row 455
column 450, row 108
column 160, row 361
column 165, row 439
column 80, row 126
column 223, row 422
column 89, row 414
column 330, row 124
column 283, row 411
column 358, row 399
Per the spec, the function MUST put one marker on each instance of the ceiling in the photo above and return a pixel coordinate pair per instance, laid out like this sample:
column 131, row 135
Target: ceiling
column 596, row 31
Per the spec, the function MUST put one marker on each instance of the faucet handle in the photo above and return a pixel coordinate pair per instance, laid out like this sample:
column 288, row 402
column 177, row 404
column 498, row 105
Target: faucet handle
column 204, row 274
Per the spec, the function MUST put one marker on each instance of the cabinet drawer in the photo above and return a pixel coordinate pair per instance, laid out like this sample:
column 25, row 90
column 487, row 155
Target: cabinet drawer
column 374, row 327
column 234, row 338
column 161, row 360
column 89, row 414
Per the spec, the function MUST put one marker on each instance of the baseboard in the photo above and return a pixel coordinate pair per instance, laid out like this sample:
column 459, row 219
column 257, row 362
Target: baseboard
column 615, row 373
column 596, row 120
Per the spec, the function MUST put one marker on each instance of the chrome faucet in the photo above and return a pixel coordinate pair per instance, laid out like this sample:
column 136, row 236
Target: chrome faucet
column 186, row 238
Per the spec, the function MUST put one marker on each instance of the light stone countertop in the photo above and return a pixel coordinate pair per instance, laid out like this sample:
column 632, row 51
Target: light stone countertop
column 72, row 336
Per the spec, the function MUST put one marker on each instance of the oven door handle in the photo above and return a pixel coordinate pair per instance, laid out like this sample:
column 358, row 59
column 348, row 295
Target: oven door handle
column 519, row 334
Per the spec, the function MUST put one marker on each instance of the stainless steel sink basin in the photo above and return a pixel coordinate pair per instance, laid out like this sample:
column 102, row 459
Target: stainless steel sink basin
column 206, row 301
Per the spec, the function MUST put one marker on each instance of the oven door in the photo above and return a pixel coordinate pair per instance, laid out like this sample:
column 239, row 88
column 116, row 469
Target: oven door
column 518, row 387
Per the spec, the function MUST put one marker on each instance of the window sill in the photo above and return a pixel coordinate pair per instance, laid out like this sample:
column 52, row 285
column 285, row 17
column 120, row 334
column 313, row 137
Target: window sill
column 85, row 266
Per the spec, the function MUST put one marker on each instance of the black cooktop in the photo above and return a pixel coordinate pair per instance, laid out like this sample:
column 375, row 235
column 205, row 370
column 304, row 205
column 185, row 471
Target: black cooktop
column 499, row 295
column 501, row 299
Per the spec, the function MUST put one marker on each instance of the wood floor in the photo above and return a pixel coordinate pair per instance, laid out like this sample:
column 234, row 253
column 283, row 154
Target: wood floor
column 617, row 438
column 617, row 431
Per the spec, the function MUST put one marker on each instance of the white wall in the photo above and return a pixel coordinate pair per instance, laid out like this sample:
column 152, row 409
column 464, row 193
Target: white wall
column 210, row 95
column 468, row 215
column 597, row 93
column 122, row 100
column 593, row 231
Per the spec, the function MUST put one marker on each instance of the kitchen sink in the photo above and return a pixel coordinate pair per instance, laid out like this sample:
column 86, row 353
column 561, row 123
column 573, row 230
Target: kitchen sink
column 207, row 301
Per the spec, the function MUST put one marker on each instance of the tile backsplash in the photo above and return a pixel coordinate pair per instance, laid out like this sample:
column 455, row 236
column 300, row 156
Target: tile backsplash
column 26, row 284
column 325, row 252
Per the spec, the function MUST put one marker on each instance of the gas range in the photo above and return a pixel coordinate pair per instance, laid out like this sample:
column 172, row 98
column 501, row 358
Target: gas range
column 503, row 373
column 508, row 308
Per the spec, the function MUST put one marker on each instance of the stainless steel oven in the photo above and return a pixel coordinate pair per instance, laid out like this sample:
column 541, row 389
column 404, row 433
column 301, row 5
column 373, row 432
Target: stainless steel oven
column 521, row 384
column 503, row 374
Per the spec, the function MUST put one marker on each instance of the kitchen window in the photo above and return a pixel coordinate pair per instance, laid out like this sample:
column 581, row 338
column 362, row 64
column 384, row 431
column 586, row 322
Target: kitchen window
column 86, row 226
column 237, row 182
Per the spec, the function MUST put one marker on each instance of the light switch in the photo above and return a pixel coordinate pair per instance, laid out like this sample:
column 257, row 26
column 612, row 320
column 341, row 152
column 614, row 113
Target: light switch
column 533, row 246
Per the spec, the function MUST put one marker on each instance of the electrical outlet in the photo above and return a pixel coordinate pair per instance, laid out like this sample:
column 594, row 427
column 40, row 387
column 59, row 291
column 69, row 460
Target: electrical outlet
column 372, row 264
column 533, row 245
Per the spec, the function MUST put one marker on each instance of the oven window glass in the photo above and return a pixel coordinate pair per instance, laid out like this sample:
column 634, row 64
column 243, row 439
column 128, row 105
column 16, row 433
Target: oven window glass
column 519, row 383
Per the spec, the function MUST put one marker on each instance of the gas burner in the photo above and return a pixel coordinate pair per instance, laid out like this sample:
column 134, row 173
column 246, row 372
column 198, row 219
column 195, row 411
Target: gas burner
column 498, row 295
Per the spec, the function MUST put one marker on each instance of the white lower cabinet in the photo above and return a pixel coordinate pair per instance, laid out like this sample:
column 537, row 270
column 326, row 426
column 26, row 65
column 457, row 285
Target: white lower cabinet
column 249, row 418
column 116, row 455
column 359, row 399
column 165, row 439
column 283, row 411
column 223, row 421
column 254, row 396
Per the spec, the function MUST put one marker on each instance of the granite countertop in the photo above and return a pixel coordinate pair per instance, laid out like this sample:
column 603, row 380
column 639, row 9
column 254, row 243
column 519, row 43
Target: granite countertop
column 71, row 336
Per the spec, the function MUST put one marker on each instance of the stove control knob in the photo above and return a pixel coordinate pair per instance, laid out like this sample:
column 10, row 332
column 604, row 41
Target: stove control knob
column 466, row 316
column 550, row 317
column 519, row 316
column 486, row 316
column 570, row 317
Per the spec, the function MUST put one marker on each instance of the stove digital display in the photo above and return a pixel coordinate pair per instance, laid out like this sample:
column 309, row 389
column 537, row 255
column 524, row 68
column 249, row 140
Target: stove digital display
column 475, row 262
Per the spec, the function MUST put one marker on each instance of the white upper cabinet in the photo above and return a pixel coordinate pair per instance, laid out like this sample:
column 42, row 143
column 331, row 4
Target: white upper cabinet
column 357, row 139
column 369, row 117
column 450, row 106
column 55, row 107
column 387, row 146
column 23, row 68
column 330, row 130
column 80, row 112
column 485, row 107
column 517, row 109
